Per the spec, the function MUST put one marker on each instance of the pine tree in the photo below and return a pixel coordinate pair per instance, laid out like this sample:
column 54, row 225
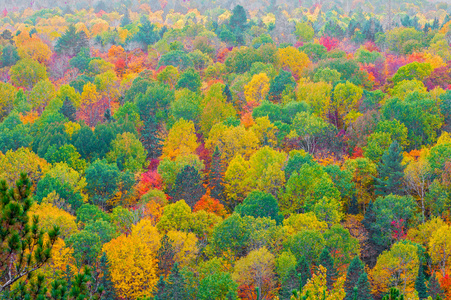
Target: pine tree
column 370, row 217
column 175, row 285
column 188, row 186
column 215, row 176
column 391, row 172
column 105, row 282
column 420, row 286
column 355, row 269
column 149, row 138
column 228, row 94
column 434, row 288
column 353, row 206
column 68, row 110
column 303, row 271
column 363, row 287
column 290, row 283
column 126, row 18
column 394, row 294
column 165, row 256
column 161, row 289
column 327, row 261
column 69, row 42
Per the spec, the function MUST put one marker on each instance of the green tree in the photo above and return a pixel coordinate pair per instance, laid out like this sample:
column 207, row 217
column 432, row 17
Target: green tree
column 147, row 33
column 434, row 288
column 9, row 56
column 259, row 205
column 391, row 172
column 71, row 42
column 216, row 176
column 420, row 286
column 328, row 262
column 127, row 152
column 150, row 138
column 23, row 250
column 363, row 288
column 27, row 72
column 189, row 79
column 188, row 186
column 355, row 270
column 86, row 245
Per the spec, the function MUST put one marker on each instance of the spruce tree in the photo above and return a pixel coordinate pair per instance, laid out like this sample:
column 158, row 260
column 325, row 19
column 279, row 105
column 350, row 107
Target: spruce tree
column 434, row 288
column 288, row 284
column 105, row 282
column 126, row 18
column 228, row 94
column 363, row 288
column 165, row 256
column 161, row 289
column 175, row 285
column 149, row 138
column 353, row 206
column 303, row 272
column 391, row 172
column 69, row 43
column 355, row 269
column 420, row 286
column 215, row 176
column 188, row 186
column 68, row 110
column 327, row 261
column 393, row 294
column 370, row 217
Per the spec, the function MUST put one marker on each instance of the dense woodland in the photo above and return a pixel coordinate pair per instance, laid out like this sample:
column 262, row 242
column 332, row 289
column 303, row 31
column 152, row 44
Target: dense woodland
column 184, row 150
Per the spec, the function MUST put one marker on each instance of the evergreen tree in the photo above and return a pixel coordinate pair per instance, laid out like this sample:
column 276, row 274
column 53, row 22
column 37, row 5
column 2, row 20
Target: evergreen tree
column 215, row 177
column 188, row 186
column 107, row 115
column 165, row 256
column 9, row 56
column 394, row 294
column 108, row 291
column 363, row 288
column 420, row 286
column 434, row 288
column 288, row 284
column 149, row 138
column 355, row 269
column 353, row 206
column 303, row 272
column 70, row 42
column 147, row 33
column 126, row 18
column 228, row 94
column 327, row 261
column 161, row 289
column 175, row 285
column 68, row 110
column 370, row 217
column 391, row 172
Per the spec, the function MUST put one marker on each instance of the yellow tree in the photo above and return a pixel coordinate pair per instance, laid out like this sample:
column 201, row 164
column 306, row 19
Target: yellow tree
column 148, row 234
column 316, row 287
column 236, row 181
column 317, row 94
column 293, row 59
column 132, row 266
column 107, row 85
column 345, row 100
column 417, row 176
column 34, row 48
column 181, row 140
column 7, row 96
column 257, row 270
column 257, row 89
column 397, row 267
column 440, row 247
column 50, row 215
column 184, row 246
column 265, row 131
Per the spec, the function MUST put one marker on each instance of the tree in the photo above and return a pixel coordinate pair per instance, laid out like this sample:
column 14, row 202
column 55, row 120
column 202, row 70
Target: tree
column 127, row 152
column 147, row 33
column 434, row 288
column 257, row 89
column 24, row 248
column 151, row 139
column 68, row 110
column 181, row 140
column 129, row 256
column 9, row 56
column 316, row 288
column 188, row 186
column 256, row 270
column 71, row 42
column 304, row 31
column 294, row 60
column 278, row 85
column 216, row 176
column 355, row 270
column 189, row 79
column 259, row 205
column 440, row 247
column 327, row 262
column 420, row 286
column 390, row 171
column 27, row 72
column 362, row 288
column 175, row 284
